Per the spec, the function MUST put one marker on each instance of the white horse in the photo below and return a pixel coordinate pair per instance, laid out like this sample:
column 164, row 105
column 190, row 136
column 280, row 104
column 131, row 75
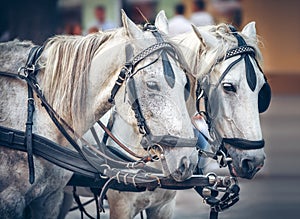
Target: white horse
column 202, row 49
column 236, row 91
column 77, row 77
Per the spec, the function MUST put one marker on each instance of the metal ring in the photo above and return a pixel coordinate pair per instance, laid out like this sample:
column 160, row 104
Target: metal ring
column 103, row 176
column 142, row 130
column 153, row 156
column 105, row 165
column 212, row 178
column 24, row 74
column 160, row 148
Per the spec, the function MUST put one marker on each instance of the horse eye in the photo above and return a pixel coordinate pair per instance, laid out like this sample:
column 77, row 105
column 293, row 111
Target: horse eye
column 152, row 85
column 228, row 87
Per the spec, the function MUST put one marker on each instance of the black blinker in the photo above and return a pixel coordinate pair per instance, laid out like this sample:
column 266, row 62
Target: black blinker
column 264, row 98
column 250, row 73
column 168, row 70
column 187, row 88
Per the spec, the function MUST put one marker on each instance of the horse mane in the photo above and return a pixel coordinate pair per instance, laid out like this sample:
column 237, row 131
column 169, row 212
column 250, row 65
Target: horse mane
column 223, row 33
column 66, row 61
column 226, row 42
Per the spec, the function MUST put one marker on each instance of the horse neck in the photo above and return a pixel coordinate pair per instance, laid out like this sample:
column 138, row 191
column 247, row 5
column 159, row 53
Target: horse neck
column 81, row 99
column 104, row 72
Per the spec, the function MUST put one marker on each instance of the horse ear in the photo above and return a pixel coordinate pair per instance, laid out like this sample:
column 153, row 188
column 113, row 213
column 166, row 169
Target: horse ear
column 207, row 40
column 161, row 22
column 249, row 30
column 130, row 28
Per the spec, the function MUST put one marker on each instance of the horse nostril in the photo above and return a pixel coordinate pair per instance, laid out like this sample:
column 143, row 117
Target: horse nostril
column 183, row 166
column 247, row 166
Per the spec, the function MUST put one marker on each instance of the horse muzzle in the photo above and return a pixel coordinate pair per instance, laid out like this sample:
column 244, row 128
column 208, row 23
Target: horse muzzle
column 247, row 157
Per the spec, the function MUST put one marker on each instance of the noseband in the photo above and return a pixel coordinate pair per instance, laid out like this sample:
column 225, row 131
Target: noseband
column 244, row 51
column 127, row 74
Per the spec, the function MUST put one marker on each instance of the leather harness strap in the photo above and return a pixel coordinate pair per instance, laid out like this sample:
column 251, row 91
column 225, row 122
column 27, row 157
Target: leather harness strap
column 85, row 163
column 31, row 71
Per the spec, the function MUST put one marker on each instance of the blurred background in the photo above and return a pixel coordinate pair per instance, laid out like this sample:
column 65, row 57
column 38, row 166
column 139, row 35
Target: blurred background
column 274, row 193
column 277, row 23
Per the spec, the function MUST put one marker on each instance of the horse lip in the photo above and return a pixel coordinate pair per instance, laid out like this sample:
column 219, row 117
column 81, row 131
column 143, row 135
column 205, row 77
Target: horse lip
column 232, row 170
column 234, row 173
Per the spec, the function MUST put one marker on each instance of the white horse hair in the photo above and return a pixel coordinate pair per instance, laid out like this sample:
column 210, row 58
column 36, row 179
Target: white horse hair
column 237, row 112
column 201, row 48
column 77, row 76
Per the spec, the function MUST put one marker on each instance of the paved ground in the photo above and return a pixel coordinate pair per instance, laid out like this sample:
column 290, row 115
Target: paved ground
column 274, row 193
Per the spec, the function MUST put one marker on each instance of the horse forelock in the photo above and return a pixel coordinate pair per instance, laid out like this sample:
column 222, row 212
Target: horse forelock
column 66, row 67
column 226, row 41
column 229, row 41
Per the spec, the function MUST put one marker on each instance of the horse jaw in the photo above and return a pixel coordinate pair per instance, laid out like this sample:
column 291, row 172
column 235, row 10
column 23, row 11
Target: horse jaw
column 161, row 22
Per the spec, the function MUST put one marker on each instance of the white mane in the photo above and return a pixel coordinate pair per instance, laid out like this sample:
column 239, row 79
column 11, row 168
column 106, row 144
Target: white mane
column 67, row 62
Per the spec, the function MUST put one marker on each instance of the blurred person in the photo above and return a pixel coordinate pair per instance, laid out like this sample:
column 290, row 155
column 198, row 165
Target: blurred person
column 205, row 164
column 200, row 17
column 179, row 24
column 73, row 29
column 101, row 23
column 77, row 29
column 228, row 11
column 93, row 30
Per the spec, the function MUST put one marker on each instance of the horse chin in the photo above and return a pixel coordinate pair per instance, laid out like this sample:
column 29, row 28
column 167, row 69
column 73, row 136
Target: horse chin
column 179, row 162
column 236, row 173
column 232, row 170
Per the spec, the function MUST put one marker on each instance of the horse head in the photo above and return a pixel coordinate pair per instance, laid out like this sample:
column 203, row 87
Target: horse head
column 153, row 98
column 235, row 91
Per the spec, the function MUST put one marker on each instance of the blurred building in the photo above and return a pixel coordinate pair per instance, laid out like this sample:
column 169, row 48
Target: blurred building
column 28, row 19
column 277, row 24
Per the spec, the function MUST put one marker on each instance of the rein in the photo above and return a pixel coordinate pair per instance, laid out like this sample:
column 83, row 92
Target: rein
column 91, row 166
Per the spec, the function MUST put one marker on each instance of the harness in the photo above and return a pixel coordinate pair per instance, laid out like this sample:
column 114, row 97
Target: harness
column 92, row 167
column 204, row 89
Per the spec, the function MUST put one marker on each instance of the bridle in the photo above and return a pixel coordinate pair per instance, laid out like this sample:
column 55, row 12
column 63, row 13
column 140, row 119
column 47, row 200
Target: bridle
column 127, row 74
column 204, row 91
column 31, row 69
column 86, row 163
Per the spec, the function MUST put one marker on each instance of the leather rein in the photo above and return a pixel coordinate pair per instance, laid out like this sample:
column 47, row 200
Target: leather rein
column 93, row 165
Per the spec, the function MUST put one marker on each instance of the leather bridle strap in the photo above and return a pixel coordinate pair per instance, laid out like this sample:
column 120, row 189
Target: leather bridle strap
column 244, row 51
column 31, row 71
column 106, row 130
column 244, row 144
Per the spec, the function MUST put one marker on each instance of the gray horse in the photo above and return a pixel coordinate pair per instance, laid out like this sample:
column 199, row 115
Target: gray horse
column 77, row 76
